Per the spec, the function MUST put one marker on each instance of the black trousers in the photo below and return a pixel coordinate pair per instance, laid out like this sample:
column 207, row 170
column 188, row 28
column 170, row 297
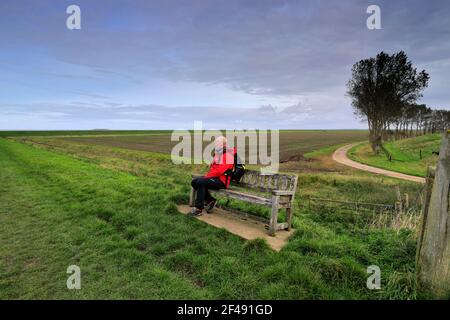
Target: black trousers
column 202, row 185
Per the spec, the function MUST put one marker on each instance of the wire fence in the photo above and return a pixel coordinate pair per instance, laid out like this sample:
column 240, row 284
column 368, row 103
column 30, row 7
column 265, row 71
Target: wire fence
column 405, row 213
column 404, row 202
column 357, row 206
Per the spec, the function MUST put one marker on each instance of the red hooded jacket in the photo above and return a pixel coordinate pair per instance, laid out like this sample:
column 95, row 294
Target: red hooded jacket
column 220, row 164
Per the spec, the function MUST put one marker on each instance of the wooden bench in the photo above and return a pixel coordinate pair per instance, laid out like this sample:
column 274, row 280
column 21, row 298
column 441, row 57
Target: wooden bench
column 279, row 194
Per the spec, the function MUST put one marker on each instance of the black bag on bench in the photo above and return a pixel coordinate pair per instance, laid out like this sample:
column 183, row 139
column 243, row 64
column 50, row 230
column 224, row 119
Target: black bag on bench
column 238, row 170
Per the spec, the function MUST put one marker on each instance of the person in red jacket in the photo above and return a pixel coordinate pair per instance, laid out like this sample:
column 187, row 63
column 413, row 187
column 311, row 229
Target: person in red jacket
column 215, row 179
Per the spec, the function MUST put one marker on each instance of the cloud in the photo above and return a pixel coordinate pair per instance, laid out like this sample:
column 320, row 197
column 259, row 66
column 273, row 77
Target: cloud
column 288, row 59
column 57, row 116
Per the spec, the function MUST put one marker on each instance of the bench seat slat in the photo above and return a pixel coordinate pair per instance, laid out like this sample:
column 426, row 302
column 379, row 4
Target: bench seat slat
column 244, row 196
column 283, row 192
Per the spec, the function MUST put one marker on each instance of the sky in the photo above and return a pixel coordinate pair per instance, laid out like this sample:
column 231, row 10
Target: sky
column 141, row 64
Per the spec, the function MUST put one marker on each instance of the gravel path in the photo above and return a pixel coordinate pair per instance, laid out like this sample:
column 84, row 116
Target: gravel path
column 340, row 156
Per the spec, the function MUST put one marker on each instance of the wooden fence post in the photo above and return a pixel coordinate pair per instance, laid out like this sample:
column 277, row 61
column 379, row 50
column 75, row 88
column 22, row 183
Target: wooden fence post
column 433, row 251
column 399, row 203
column 398, row 193
column 406, row 201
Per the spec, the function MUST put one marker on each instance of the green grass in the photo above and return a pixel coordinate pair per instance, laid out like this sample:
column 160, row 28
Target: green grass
column 405, row 154
column 323, row 151
column 113, row 213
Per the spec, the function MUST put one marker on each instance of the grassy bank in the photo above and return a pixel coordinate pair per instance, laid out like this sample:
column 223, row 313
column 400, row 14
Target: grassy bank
column 406, row 154
column 113, row 213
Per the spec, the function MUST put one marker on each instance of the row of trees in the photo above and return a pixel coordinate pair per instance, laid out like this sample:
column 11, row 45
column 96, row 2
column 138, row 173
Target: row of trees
column 416, row 120
column 385, row 91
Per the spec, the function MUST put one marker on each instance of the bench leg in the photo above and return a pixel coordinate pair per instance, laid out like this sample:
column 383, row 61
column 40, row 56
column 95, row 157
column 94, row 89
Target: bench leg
column 192, row 196
column 274, row 216
column 289, row 218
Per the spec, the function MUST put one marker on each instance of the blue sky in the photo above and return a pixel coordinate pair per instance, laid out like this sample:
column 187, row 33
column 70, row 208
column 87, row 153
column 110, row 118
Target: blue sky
column 232, row 64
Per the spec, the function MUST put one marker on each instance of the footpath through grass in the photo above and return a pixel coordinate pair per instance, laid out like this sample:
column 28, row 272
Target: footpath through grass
column 405, row 154
column 113, row 213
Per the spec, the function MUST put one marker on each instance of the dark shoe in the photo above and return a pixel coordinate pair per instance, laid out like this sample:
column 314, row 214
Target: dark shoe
column 195, row 212
column 210, row 206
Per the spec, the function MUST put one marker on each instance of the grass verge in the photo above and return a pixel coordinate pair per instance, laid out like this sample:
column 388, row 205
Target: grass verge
column 410, row 156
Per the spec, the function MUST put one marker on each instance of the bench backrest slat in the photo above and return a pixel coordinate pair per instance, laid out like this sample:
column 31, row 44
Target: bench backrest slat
column 284, row 182
column 267, row 182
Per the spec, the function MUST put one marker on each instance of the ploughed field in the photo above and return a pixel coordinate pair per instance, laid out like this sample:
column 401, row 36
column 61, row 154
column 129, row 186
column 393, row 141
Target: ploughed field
column 293, row 144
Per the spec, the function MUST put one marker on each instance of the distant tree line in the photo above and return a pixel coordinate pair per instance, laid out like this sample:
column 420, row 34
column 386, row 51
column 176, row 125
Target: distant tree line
column 417, row 119
column 385, row 91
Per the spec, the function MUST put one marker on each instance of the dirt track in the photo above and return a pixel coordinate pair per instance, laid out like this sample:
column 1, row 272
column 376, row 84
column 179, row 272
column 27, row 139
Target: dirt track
column 340, row 156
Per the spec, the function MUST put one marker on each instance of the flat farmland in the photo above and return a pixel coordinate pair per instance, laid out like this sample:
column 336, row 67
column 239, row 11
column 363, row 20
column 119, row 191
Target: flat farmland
column 293, row 144
column 113, row 212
